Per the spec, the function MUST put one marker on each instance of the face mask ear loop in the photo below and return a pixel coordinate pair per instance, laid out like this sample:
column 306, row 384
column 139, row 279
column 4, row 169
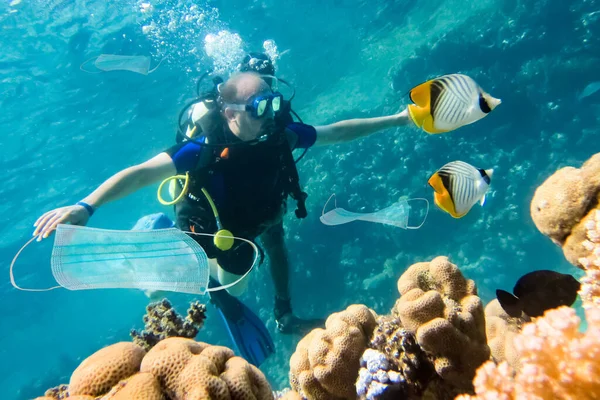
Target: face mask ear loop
column 85, row 70
column 12, row 277
column 328, row 200
column 256, row 252
column 426, row 214
column 158, row 65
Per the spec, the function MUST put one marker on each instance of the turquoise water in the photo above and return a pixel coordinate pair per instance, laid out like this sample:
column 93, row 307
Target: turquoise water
column 64, row 131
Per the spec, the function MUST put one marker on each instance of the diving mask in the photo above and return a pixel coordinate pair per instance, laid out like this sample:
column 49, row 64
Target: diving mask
column 259, row 105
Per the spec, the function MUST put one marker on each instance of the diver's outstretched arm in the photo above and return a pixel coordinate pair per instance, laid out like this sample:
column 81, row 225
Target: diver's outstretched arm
column 117, row 186
column 345, row 131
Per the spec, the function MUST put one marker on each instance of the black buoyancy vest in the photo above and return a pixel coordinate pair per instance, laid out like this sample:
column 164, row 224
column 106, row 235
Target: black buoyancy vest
column 261, row 174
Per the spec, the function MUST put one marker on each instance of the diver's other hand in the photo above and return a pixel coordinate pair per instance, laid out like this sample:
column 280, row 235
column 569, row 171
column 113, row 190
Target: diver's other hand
column 74, row 215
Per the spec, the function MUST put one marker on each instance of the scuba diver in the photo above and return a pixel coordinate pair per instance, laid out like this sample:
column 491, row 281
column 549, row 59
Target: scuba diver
column 235, row 149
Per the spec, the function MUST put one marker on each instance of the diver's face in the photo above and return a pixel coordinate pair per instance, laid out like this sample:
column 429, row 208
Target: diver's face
column 242, row 123
column 251, row 127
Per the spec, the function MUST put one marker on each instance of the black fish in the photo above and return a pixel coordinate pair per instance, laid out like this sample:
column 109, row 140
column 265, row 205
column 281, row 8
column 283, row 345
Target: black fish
column 539, row 291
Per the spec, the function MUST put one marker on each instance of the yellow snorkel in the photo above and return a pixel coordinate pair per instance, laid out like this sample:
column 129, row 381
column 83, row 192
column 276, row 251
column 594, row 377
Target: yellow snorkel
column 223, row 239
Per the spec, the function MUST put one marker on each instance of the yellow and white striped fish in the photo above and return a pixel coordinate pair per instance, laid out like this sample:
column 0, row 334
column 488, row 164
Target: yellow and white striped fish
column 449, row 102
column 458, row 186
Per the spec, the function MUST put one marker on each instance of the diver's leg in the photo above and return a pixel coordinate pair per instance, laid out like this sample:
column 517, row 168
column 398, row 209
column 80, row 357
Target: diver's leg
column 274, row 244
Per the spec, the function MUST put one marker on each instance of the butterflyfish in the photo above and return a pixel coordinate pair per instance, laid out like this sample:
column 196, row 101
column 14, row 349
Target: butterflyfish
column 458, row 186
column 539, row 291
column 446, row 103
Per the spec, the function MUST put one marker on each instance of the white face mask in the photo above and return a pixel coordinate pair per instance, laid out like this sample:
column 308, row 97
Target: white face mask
column 113, row 62
column 148, row 259
column 397, row 215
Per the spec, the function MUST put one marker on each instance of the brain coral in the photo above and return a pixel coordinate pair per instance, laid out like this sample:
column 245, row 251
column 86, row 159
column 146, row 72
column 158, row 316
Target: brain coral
column 442, row 309
column 98, row 373
column 326, row 362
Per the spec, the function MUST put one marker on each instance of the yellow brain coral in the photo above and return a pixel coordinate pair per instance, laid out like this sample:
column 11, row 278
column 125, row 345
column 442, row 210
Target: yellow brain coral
column 138, row 387
column 98, row 373
column 192, row 370
column 442, row 309
column 563, row 204
column 326, row 362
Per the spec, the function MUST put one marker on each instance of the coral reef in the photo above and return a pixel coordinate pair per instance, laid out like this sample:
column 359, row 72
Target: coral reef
column 176, row 368
column 98, row 373
column 326, row 362
column 162, row 321
column 404, row 354
column 501, row 330
column 442, row 309
column 195, row 370
column 557, row 359
column 564, row 203
column 377, row 379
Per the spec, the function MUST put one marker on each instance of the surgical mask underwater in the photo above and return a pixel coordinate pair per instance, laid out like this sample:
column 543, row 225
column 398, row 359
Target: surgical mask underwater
column 114, row 62
column 160, row 259
column 399, row 214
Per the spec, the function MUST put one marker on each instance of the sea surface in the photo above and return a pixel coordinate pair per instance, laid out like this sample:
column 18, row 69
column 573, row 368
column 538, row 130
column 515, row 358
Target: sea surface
column 64, row 129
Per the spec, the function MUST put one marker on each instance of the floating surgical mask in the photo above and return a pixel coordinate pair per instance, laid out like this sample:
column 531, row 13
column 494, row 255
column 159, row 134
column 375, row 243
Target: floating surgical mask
column 398, row 214
column 157, row 259
column 113, row 62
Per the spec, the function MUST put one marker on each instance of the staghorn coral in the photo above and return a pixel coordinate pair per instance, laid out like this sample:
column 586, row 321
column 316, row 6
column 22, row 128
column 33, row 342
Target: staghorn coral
column 162, row 321
column 442, row 309
column 326, row 361
column 405, row 355
column 501, row 329
column 98, row 373
column 563, row 204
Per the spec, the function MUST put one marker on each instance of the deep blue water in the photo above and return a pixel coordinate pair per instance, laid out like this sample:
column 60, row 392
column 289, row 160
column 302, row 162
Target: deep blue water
column 64, row 131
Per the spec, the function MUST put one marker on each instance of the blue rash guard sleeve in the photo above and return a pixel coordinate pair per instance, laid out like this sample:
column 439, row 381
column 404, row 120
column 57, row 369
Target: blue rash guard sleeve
column 306, row 135
column 185, row 156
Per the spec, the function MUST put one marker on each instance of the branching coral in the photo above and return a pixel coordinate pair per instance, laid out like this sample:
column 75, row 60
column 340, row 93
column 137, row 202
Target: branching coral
column 162, row 321
column 442, row 309
column 326, row 361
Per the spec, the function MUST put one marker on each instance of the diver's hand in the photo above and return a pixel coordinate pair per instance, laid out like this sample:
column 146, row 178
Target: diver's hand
column 74, row 215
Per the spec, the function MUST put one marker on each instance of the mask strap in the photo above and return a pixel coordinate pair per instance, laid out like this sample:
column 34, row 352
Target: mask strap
column 158, row 65
column 426, row 213
column 328, row 200
column 227, row 286
column 12, row 276
column 88, row 71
